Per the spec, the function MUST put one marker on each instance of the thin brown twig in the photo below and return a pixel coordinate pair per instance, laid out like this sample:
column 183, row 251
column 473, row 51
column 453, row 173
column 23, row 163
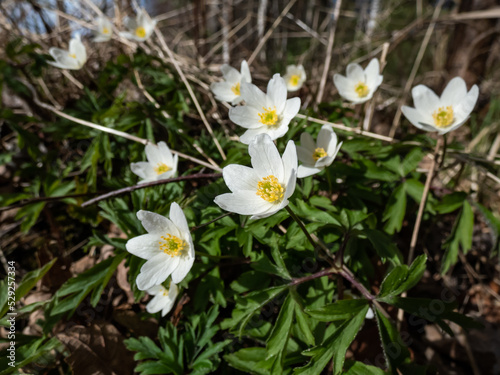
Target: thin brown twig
column 44, row 199
column 129, row 189
column 331, row 39
column 421, row 207
column 416, row 66
column 164, row 46
column 270, row 31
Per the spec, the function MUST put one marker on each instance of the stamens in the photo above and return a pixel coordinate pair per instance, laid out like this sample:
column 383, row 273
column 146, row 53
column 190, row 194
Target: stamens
column 443, row 117
column 294, row 80
column 361, row 89
column 172, row 245
column 319, row 153
column 270, row 189
column 140, row 32
column 161, row 168
column 236, row 89
column 269, row 117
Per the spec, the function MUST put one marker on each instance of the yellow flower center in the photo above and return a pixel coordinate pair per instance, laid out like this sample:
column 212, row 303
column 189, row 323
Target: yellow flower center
column 105, row 30
column 236, row 89
column 270, row 189
column 443, row 117
column 361, row 89
column 72, row 55
column 172, row 245
column 269, row 117
column 319, row 153
column 161, row 168
column 140, row 32
column 294, row 80
column 165, row 292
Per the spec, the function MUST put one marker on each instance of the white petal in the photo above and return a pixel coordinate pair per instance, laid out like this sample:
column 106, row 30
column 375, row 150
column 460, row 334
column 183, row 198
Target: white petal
column 243, row 203
column 168, row 306
column 77, row 48
column 156, row 304
column 327, row 139
column 157, row 224
column 290, row 186
column 291, row 109
column 245, row 72
column 424, row 99
column 355, row 73
column 305, row 171
column 305, row 155
column 345, row 87
column 454, row 92
column 323, row 162
column 466, row 106
column 153, row 154
column 145, row 246
column 156, row 270
column 290, row 162
column 307, row 142
column 372, row 73
column 245, row 116
column 182, row 269
column 239, row 177
column 277, row 92
column 179, row 219
column 230, row 74
column 140, row 168
column 416, row 118
column 250, row 134
column 222, row 91
column 165, row 154
column 155, row 290
column 265, row 157
column 253, row 96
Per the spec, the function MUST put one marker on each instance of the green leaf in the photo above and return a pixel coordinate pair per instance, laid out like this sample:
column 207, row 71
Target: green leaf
column 278, row 339
column 334, row 346
column 395, row 351
column 251, row 360
column 359, row 368
column 461, row 236
column 28, row 282
column 395, row 210
column 340, row 310
column 403, row 278
column 383, row 245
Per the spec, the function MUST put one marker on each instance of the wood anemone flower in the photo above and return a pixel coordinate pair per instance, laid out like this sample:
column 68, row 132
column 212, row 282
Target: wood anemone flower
column 295, row 77
column 167, row 247
column 315, row 156
column 230, row 89
column 104, row 30
column 441, row 114
column 161, row 163
column 264, row 189
column 269, row 113
column 358, row 86
column 140, row 28
column 163, row 300
column 73, row 59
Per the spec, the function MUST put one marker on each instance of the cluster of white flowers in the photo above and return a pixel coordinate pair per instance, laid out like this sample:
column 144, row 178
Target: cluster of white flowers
column 265, row 188
column 138, row 29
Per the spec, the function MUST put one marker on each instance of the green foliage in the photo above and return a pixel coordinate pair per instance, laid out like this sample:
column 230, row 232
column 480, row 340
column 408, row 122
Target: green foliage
column 191, row 350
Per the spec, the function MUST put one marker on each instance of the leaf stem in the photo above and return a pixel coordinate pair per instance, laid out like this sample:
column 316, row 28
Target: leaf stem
column 302, row 226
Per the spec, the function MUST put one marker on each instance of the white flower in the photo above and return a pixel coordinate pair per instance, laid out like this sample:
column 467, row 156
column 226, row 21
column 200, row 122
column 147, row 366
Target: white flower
column 140, row 28
column 161, row 163
column 163, row 299
column 229, row 90
column 74, row 58
column 315, row 156
column 265, row 113
column 264, row 189
column 104, row 30
column 294, row 77
column 167, row 246
column 359, row 85
column 445, row 113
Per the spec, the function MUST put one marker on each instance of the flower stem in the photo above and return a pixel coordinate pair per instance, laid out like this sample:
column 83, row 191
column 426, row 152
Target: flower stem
column 325, row 272
column 420, row 213
column 302, row 226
